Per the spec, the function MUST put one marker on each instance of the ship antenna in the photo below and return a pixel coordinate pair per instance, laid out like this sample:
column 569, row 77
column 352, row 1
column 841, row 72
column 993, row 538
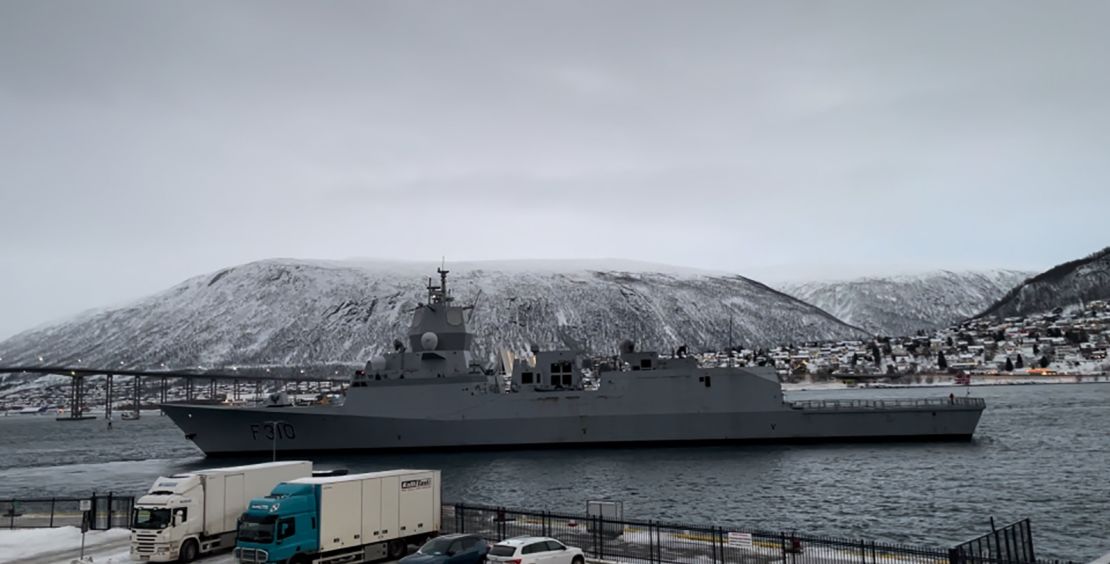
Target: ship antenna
column 443, row 282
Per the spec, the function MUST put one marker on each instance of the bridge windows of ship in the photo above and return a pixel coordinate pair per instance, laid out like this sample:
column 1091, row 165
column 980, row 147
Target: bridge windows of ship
column 562, row 374
column 525, row 377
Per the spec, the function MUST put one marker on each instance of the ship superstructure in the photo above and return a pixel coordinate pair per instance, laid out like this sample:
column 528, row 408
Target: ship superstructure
column 430, row 392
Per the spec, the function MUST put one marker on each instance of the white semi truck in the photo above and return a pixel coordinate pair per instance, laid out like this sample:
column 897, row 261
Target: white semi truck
column 186, row 515
column 341, row 520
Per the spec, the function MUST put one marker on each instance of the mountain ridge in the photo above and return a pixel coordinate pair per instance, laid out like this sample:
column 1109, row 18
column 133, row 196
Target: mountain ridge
column 903, row 304
column 1068, row 283
column 297, row 311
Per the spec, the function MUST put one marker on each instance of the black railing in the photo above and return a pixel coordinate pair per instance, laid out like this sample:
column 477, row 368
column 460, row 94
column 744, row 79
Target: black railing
column 608, row 539
column 651, row 542
column 1009, row 545
column 106, row 512
column 668, row 543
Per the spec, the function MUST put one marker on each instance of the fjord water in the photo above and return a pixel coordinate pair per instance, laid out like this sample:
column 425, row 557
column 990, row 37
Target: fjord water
column 1040, row 451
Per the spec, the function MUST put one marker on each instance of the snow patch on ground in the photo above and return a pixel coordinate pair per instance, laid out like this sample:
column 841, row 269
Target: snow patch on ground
column 19, row 544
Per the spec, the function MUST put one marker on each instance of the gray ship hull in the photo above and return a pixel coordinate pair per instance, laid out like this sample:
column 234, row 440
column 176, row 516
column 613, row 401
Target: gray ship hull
column 431, row 394
column 224, row 431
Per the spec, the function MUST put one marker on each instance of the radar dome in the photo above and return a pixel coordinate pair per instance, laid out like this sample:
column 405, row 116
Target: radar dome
column 429, row 341
column 377, row 364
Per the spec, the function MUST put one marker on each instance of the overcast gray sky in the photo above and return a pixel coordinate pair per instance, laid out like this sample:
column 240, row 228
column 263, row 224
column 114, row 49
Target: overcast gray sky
column 145, row 142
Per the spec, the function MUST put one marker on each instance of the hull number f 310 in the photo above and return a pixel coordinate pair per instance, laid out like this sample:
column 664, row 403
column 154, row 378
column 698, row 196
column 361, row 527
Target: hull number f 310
column 267, row 430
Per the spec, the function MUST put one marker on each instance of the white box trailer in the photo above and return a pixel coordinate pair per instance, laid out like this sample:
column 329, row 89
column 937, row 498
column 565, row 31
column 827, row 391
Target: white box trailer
column 227, row 491
column 376, row 513
column 186, row 515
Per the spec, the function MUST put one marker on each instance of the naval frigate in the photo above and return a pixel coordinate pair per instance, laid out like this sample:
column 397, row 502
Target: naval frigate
column 433, row 393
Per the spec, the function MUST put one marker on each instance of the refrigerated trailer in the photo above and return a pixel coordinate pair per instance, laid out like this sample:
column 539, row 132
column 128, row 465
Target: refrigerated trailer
column 186, row 515
column 343, row 519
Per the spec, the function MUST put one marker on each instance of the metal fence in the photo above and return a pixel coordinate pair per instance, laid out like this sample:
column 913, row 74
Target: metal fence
column 609, row 539
column 668, row 543
column 106, row 512
column 1010, row 544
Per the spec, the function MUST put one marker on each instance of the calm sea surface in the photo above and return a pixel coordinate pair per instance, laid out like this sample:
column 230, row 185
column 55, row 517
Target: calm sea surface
column 1040, row 451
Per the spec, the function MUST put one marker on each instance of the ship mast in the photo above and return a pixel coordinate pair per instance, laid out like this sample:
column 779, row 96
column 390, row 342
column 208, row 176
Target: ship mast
column 438, row 294
column 443, row 283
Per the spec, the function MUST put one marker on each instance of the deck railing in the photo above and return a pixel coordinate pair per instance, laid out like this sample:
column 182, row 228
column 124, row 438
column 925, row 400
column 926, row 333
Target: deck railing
column 919, row 403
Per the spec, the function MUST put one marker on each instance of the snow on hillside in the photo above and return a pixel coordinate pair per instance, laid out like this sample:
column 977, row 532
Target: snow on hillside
column 1064, row 285
column 302, row 313
column 904, row 304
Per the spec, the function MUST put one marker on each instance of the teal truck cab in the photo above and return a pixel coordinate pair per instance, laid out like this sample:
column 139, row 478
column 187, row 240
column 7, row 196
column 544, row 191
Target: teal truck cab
column 339, row 520
column 279, row 527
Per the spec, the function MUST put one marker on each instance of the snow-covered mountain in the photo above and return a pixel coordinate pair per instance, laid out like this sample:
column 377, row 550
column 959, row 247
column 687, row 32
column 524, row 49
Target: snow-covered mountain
column 904, row 304
column 305, row 313
column 1071, row 283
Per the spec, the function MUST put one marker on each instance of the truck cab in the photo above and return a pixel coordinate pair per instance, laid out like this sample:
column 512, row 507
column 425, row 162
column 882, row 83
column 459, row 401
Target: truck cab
column 279, row 527
column 165, row 517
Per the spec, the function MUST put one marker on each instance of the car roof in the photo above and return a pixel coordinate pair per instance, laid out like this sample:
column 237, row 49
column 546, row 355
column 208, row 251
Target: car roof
column 518, row 541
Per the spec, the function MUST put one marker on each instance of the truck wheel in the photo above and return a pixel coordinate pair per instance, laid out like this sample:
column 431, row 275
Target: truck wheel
column 396, row 549
column 298, row 559
column 189, row 551
column 578, row 560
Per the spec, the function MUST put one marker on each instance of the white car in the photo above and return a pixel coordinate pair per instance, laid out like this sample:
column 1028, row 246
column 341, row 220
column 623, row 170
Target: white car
column 534, row 550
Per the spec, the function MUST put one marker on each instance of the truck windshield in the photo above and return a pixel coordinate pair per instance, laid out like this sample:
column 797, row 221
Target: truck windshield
column 257, row 529
column 150, row 518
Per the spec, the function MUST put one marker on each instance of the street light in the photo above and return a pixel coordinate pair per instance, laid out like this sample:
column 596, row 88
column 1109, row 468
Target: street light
column 273, row 435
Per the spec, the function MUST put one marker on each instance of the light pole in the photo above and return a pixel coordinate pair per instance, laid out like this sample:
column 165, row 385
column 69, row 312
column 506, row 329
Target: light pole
column 273, row 435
